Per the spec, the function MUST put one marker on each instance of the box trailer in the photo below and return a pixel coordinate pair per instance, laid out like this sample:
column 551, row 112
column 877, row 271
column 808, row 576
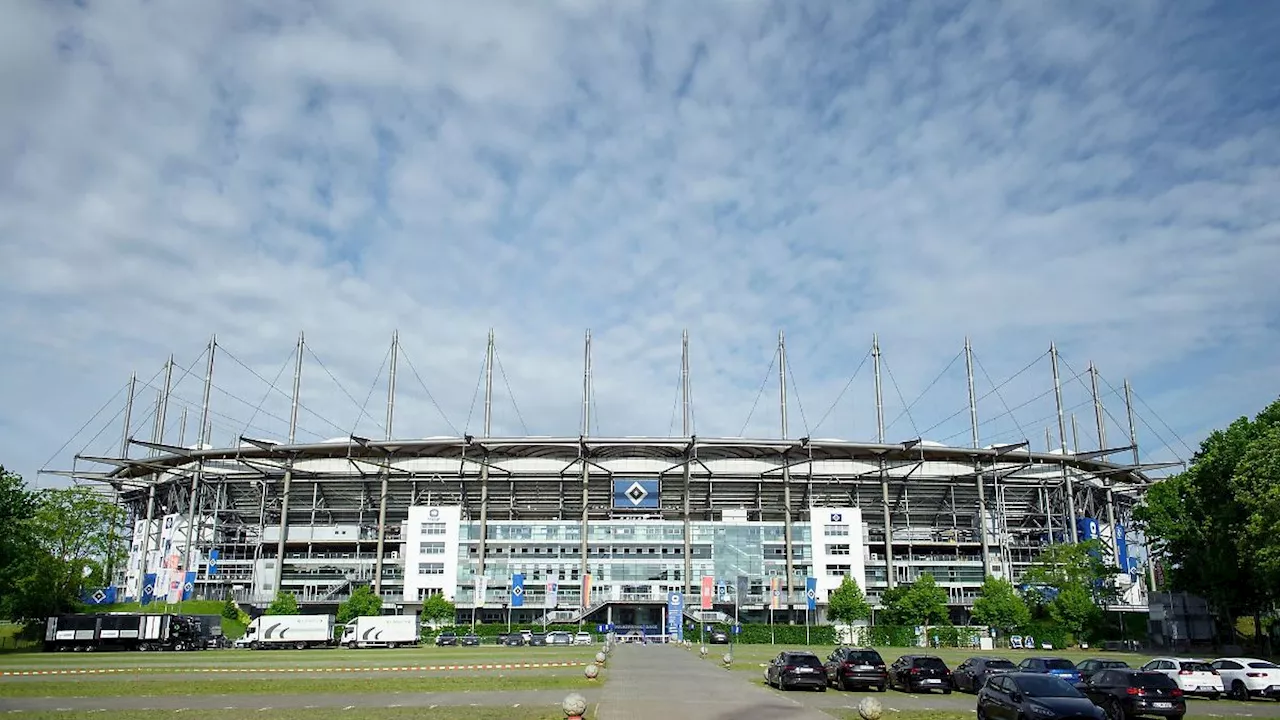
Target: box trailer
column 289, row 631
column 121, row 631
column 381, row 631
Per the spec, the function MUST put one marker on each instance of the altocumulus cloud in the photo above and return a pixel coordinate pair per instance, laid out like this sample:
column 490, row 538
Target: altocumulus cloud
column 1101, row 175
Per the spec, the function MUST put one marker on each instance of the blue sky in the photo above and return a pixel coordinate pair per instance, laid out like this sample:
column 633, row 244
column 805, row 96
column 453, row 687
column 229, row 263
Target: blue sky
column 1099, row 175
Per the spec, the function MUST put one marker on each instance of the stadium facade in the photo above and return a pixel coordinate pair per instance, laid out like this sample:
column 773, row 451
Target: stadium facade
column 601, row 529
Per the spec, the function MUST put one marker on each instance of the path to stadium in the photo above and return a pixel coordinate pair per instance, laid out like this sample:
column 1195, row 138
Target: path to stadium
column 653, row 682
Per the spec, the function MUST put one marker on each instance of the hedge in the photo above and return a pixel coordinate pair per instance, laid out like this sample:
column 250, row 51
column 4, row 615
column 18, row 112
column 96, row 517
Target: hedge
column 764, row 633
column 492, row 630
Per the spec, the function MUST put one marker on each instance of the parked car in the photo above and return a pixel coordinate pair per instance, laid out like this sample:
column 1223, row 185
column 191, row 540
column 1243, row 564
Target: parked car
column 849, row 668
column 1127, row 693
column 971, row 674
column 1060, row 667
column 1194, row 677
column 792, row 669
column 582, row 638
column 1014, row 695
column 537, row 640
column 470, row 640
column 718, row 637
column 558, row 637
column 916, row 673
column 447, row 637
column 1245, row 678
column 511, row 639
column 1088, row 667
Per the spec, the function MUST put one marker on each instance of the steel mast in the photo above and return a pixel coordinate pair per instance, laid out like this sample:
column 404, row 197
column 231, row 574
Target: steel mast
column 386, row 471
column 282, row 536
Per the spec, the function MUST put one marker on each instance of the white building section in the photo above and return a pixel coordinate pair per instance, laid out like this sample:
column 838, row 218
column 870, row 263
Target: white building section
column 430, row 552
column 839, row 548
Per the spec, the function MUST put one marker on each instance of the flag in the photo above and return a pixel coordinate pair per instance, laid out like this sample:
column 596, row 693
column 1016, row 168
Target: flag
column 148, row 589
column 175, row 591
column 213, row 562
column 99, row 596
column 708, row 591
column 482, row 586
column 189, row 585
column 586, row 590
column 517, row 590
column 675, row 615
column 811, row 592
column 552, row 592
column 743, row 588
column 775, row 593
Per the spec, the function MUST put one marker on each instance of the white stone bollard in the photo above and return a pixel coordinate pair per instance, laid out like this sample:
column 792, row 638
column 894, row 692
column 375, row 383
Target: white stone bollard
column 727, row 659
column 870, row 709
column 591, row 672
column 702, row 651
column 574, row 706
column 600, row 658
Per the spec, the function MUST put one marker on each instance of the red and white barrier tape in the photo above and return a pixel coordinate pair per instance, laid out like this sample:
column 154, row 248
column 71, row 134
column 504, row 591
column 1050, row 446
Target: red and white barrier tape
column 160, row 669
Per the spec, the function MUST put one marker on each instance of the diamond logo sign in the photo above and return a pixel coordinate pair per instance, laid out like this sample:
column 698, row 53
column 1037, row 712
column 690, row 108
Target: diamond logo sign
column 632, row 494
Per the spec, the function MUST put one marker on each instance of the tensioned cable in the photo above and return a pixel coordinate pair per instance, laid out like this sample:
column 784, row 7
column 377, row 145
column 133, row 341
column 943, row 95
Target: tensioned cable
column 288, row 396
column 475, row 393
column 232, row 423
column 267, row 394
column 924, row 392
column 427, row 390
column 796, row 389
column 1162, row 422
column 511, row 394
column 759, row 392
column 675, row 403
column 337, row 382
column 995, row 390
column 843, row 390
column 1090, row 389
column 373, row 386
column 1167, row 444
column 901, row 399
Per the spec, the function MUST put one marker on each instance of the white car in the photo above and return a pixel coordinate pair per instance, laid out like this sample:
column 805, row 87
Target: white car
column 582, row 638
column 1193, row 676
column 1248, row 677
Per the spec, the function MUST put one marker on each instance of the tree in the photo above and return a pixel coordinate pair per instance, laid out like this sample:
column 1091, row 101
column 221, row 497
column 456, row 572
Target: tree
column 437, row 607
column 17, row 505
column 922, row 602
column 362, row 602
column 1202, row 523
column 70, row 539
column 1000, row 606
column 848, row 603
column 1257, row 484
column 230, row 610
column 1075, row 609
column 284, row 604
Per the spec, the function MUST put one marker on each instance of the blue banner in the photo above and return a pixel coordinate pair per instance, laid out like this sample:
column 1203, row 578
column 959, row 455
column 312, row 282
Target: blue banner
column 213, row 562
column 189, row 585
column 99, row 596
column 633, row 494
column 517, row 590
column 148, row 589
column 811, row 593
column 675, row 615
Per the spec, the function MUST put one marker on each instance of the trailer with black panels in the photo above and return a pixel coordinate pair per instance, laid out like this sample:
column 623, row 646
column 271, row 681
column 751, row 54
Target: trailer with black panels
column 121, row 631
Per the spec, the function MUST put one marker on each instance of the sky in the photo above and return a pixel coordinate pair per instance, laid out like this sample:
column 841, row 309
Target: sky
column 1102, row 176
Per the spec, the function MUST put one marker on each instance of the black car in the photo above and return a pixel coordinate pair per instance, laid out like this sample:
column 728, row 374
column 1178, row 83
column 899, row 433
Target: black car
column 849, row 668
column 1090, row 666
column 916, row 673
column 470, row 640
column 536, row 640
column 1056, row 666
column 1127, row 693
column 1016, row 695
column 973, row 673
column 718, row 637
column 796, row 670
column 447, row 637
column 511, row 639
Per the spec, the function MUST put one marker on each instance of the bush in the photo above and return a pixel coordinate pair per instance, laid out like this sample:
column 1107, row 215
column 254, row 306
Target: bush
column 885, row 636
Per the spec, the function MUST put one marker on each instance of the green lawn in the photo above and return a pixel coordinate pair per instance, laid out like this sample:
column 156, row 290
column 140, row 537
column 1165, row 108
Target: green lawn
column 335, row 657
column 371, row 713
column 135, row 686
column 749, row 657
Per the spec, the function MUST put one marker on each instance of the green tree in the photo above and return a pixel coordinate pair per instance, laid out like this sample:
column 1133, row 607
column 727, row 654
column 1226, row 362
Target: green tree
column 922, row 602
column 1073, row 565
column 1000, row 606
column 1257, row 484
column 230, row 610
column 362, row 602
column 1204, row 522
column 71, row 538
column 848, row 603
column 437, row 607
column 1075, row 609
column 17, row 505
column 284, row 604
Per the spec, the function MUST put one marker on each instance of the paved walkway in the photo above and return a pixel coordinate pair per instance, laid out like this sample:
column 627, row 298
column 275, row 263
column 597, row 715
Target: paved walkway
column 661, row 681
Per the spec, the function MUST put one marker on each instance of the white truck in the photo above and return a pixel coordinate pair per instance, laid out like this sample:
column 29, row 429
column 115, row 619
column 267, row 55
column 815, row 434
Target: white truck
column 288, row 631
column 381, row 631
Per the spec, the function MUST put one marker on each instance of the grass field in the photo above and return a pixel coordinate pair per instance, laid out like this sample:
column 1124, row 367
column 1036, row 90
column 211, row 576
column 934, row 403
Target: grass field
column 427, row 655
column 747, row 658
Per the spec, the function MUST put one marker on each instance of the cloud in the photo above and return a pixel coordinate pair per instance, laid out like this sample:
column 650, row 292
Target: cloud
column 1102, row 177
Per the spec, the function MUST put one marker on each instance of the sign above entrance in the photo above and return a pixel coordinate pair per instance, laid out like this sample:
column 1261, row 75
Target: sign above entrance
column 634, row 494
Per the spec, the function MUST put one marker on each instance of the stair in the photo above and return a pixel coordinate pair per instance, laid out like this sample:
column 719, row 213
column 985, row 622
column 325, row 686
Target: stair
column 333, row 591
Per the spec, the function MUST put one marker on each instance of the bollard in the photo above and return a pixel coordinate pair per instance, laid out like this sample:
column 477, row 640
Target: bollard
column 727, row 659
column 702, row 652
column 600, row 658
column 591, row 672
column 870, row 709
column 574, row 706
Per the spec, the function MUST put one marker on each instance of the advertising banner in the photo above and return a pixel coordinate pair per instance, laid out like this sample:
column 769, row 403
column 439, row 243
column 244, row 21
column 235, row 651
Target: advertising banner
column 675, row 615
column 775, row 593
column 708, row 591
column 552, row 592
column 517, row 590
column 811, row 593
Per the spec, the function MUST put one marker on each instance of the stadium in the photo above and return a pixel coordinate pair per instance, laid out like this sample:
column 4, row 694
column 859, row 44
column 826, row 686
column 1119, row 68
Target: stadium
column 586, row 528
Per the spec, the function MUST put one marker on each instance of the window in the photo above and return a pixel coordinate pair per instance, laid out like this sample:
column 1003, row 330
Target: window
column 835, row 530
column 837, row 569
column 433, row 528
column 430, row 568
column 842, row 549
column 431, row 548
